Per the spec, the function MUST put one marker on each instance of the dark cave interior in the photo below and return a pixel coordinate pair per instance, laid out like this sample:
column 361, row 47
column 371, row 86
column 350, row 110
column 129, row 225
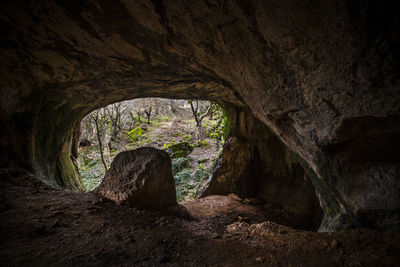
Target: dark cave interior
column 312, row 90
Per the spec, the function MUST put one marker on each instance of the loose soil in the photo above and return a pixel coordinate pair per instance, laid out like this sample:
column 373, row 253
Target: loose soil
column 42, row 226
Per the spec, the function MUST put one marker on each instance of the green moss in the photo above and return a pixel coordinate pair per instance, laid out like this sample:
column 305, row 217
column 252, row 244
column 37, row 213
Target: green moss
column 69, row 174
column 135, row 134
column 177, row 134
column 201, row 143
column 158, row 120
column 180, row 150
column 143, row 140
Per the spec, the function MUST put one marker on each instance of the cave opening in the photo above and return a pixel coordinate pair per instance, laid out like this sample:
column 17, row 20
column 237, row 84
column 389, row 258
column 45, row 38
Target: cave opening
column 191, row 131
column 311, row 89
column 225, row 153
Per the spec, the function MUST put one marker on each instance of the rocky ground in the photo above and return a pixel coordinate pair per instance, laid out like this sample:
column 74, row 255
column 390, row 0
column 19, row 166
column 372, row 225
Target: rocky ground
column 41, row 226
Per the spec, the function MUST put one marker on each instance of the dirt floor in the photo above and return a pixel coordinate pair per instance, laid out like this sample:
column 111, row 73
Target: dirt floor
column 41, row 226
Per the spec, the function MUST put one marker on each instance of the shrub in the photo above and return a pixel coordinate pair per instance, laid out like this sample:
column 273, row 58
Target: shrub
column 183, row 183
column 179, row 164
column 200, row 175
column 89, row 180
column 183, row 176
column 221, row 130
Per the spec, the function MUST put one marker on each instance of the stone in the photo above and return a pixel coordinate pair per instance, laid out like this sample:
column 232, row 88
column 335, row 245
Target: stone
column 257, row 167
column 140, row 178
column 178, row 210
column 322, row 76
column 181, row 149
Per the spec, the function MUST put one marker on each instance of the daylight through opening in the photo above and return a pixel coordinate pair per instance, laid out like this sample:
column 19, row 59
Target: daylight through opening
column 191, row 131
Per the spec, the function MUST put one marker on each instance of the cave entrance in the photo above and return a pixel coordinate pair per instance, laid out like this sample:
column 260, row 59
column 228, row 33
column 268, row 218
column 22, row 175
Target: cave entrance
column 191, row 131
column 255, row 168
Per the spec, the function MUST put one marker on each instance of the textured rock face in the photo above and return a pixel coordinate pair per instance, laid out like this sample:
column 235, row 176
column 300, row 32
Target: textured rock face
column 323, row 76
column 254, row 163
column 140, row 178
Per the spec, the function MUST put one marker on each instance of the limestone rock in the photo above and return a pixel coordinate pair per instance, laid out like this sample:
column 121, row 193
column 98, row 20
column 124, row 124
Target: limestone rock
column 140, row 178
column 321, row 75
column 256, row 166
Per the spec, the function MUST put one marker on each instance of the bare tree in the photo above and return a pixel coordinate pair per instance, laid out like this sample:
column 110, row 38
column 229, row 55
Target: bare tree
column 115, row 113
column 148, row 111
column 149, row 106
column 100, row 119
column 200, row 110
column 139, row 112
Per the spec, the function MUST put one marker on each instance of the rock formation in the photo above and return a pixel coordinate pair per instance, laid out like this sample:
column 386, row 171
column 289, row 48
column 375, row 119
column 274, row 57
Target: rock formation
column 322, row 76
column 254, row 163
column 140, row 178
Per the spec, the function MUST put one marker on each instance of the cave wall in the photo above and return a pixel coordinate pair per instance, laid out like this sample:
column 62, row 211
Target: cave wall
column 322, row 76
column 255, row 163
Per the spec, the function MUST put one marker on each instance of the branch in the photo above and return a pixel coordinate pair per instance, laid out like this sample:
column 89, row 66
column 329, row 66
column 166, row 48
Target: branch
column 193, row 111
column 206, row 113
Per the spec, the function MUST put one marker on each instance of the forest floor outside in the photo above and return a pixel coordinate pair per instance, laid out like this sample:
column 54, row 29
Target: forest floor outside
column 42, row 226
column 192, row 159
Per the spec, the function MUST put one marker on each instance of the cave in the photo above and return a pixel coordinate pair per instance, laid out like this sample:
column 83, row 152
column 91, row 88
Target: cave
column 311, row 88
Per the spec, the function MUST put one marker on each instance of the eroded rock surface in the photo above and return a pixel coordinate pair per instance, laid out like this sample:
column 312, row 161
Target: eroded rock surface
column 255, row 163
column 140, row 178
column 318, row 74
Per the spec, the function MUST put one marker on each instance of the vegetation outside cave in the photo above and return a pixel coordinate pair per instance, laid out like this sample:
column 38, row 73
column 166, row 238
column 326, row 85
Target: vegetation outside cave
column 191, row 131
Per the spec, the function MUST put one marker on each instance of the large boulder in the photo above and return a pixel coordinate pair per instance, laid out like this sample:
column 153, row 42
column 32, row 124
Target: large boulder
column 140, row 178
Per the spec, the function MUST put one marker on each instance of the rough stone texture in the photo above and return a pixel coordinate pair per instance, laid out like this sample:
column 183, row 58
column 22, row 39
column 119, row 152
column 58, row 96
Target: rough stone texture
column 254, row 163
column 141, row 178
column 318, row 74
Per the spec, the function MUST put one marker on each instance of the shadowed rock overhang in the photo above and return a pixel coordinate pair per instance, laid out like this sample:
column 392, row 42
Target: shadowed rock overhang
column 321, row 76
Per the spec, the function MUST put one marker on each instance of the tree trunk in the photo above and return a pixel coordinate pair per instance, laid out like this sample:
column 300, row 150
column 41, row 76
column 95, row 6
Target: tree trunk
column 200, row 130
column 148, row 115
column 96, row 121
column 198, row 119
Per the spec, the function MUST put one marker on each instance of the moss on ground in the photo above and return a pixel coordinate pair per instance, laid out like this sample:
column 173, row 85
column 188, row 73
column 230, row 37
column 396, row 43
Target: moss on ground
column 180, row 150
